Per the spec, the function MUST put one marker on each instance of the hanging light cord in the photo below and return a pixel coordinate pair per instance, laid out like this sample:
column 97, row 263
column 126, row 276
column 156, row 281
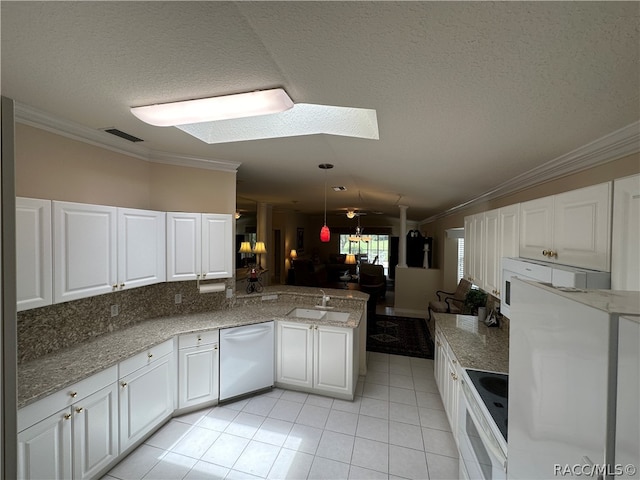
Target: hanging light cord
column 325, row 197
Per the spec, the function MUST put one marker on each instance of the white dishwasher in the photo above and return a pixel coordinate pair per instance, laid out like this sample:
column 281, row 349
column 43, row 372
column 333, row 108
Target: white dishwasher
column 247, row 359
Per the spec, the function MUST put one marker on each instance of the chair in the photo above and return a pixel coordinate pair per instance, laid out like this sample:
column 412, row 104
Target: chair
column 450, row 302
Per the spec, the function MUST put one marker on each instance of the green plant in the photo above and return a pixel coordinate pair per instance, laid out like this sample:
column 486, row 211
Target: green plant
column 475, row 298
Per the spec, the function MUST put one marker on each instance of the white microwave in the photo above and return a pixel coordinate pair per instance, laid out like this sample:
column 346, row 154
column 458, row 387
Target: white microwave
column 550, row 273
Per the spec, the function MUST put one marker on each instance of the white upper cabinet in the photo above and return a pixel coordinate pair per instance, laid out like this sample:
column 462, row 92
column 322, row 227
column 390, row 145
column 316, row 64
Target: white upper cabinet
column 217, row 245
column 184, row 246
column 34, row 272
column 489, row 236
column 141, row 247
column 474, row 248
column 536, row 228
column 85, row 246
column 99, row 249
column 199, row 246
column 625, row 248
column 491, row 260
column 571, row 228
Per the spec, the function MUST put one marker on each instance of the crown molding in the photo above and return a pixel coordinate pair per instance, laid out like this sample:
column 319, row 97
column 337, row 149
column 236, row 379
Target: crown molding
column 196, row 162
column 618, row 144
column 36, row 118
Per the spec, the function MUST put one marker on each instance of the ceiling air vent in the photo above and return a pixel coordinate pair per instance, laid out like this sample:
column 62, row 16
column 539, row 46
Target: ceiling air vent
column 121, row 134
column 339, row 189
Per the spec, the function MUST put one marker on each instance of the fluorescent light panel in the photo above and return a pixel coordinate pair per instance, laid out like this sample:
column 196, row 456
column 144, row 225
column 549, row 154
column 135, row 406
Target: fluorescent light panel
column 226, row 107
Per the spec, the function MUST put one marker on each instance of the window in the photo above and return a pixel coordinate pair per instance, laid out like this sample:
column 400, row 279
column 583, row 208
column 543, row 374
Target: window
column 378, row 247
column 460, row 259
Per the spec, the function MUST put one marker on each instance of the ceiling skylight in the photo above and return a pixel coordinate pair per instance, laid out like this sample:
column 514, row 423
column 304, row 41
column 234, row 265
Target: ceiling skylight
column 302, row 119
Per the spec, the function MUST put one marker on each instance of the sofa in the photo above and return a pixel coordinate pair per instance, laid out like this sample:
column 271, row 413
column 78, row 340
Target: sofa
column 307, row 273
column 372, row 280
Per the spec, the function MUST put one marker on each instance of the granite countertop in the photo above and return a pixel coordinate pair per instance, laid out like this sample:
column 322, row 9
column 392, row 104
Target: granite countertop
column 43, row 376
column 475, row 345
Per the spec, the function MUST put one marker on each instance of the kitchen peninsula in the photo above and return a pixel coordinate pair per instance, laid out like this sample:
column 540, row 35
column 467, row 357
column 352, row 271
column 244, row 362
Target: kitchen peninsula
column 83, row 407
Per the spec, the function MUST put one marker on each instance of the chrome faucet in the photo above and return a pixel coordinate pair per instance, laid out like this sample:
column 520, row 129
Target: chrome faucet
column 325, row 298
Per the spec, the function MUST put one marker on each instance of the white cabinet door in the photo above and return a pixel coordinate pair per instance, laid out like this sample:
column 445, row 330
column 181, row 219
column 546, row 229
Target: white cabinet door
column 44, row 449
column 95, row 432
column 85, row 249
column 625, row 248
column 492, row 252
column 217, row 248
column 582, row 227
column 184, row 246
column 452, row 389
column 141, row 247
column 34, row 260
column 146, row 400
column 294, row 354
column 440, row 363
column 478, row 249
column 198, row 375
column 509, row 231
column 469, row 249
column 333, row 359
column 473, row 246
column 536, row 228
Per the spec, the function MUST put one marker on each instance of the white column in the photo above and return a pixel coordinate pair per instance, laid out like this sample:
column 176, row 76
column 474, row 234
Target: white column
column 402, row 244
column 263, row 234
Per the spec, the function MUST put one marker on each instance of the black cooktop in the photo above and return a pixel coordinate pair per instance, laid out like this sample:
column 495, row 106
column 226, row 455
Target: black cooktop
column 494, row 391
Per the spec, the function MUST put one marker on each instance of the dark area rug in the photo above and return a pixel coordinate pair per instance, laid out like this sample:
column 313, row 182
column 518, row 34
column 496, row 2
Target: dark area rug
column 399, row 336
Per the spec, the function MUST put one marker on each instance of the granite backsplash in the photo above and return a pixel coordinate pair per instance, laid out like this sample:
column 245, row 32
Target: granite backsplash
column 48, row 329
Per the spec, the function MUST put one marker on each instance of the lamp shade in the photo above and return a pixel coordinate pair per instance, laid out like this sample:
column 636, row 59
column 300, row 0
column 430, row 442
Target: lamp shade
column 351, row 259
column 325, row 234
column 259, row 248
column 245, row 247
column 293, row 254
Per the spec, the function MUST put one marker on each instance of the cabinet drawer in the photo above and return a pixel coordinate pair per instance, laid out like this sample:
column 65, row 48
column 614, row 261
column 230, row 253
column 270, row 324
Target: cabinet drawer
column 41, row 409
column 195, row 339
column 145, row 358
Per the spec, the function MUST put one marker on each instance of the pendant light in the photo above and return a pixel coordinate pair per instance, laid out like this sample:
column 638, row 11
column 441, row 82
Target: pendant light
column 325, row 234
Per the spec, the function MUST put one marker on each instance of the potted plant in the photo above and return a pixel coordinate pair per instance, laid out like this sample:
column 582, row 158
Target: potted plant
column 475, row 298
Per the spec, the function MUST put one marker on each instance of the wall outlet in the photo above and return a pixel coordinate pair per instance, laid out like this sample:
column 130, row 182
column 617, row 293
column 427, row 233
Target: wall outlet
column 114, row 310
column 178, row 298
column 229, row 292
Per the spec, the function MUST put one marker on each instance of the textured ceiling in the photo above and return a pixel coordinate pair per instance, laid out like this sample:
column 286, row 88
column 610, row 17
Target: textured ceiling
column 467, row 94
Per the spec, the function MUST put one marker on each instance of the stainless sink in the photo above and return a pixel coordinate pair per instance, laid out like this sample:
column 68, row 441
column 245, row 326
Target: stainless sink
column 314, row 314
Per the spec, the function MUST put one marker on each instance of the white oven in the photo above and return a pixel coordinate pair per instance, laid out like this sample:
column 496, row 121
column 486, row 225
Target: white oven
column 481, row 454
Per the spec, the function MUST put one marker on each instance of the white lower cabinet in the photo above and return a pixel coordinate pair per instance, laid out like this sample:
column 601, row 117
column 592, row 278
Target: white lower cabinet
column 198, row 367
column 95, row 437
column 316, row 358
column 44, row 449
column 77, row 441
column 447, row 378
column 147, row 392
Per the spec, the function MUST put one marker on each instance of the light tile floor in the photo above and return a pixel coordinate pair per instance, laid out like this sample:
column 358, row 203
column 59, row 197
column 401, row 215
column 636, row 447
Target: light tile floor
column 396, row 428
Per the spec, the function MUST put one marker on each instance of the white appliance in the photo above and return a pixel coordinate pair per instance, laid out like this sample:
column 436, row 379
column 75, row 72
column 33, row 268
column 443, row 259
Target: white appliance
column 247, row 359
column 483, row 448
column 574, row 358
column 551, row 273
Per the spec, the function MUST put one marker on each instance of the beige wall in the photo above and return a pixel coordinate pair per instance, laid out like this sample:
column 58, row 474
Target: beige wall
column 414, row 288
column 59, row 168
column 623, row 167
